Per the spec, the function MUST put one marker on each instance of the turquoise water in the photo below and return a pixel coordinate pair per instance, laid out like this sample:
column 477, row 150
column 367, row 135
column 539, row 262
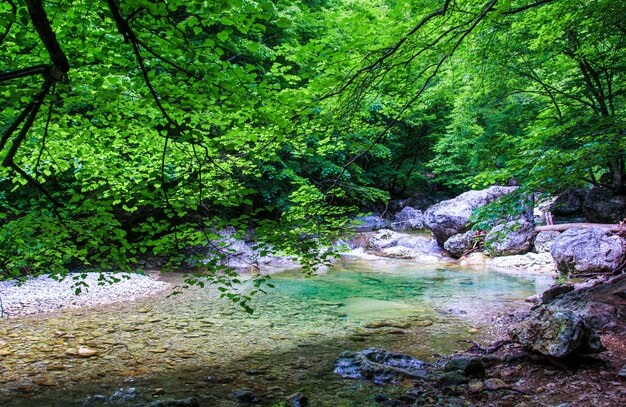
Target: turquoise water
column 197, row 345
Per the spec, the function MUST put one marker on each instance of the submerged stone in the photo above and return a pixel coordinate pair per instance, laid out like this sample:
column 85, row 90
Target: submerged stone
column 495, row 384
column 245, row 396
column 453, row 378
column 85, row 352
column 473, row 367
column 380, row 366
column 187, row 402
column 297, row 400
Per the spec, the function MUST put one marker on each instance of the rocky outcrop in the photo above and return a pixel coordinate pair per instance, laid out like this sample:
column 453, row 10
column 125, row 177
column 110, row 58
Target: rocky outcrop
column 408, row 219
column 556, row 332
column 543, row 241
column 588, row 251
column 601, row 205
column 380, row 366
column 509, row 239
column 460, row 244
column 451, row 217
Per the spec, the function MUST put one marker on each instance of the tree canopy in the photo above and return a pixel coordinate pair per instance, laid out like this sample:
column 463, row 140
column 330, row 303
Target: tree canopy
column 144, row 127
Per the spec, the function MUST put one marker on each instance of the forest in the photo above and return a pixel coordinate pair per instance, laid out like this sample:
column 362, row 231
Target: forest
column 430, row 195
column 141, row 127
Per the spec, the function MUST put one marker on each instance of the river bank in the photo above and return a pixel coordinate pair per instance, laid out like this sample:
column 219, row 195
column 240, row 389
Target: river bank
column 43, row 294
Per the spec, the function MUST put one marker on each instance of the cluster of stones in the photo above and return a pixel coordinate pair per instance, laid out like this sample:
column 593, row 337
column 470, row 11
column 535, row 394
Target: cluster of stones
column 577, row 251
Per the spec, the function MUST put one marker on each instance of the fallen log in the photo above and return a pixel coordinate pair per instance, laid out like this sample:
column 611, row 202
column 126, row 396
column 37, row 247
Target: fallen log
column 564, row 226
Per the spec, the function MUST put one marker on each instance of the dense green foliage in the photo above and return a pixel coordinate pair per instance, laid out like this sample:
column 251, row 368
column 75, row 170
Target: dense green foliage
column 179, row 118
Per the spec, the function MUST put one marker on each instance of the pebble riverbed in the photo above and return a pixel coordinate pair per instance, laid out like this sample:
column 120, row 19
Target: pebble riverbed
column 44, row 294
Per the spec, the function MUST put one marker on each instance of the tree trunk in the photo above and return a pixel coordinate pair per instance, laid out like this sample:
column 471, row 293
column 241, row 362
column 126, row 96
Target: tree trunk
column 564, row 226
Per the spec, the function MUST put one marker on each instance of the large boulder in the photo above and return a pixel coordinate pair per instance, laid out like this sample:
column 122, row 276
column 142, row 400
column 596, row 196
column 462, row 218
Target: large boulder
column 569, row 202
column 509, row 239
column 543, row 241
column 460, row 244
column 603, row 206
column 451, row 217
column 408, row 218
column 557, row 333
column 588, row 251
column 388, row 243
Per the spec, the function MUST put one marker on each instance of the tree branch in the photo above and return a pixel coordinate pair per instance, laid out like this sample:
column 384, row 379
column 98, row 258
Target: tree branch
column 8, row 29
column 40, row 20
column 527, row 7
column 378, row 62
column 24, row 72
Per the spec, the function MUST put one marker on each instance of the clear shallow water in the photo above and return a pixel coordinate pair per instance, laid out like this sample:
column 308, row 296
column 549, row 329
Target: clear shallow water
column 197, row 345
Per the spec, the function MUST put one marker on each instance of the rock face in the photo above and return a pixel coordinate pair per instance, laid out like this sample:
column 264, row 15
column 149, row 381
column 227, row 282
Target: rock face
column 603, row 206
column 509, row 239
column 588, row 251
column 380, row 366
column 557, row 333
column 407, row 219
column 543, row 241
column 569, row 202
column 451, row 217
column 460, row 244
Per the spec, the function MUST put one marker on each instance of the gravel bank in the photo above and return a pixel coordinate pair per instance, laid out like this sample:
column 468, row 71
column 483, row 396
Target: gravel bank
column 43, row 294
